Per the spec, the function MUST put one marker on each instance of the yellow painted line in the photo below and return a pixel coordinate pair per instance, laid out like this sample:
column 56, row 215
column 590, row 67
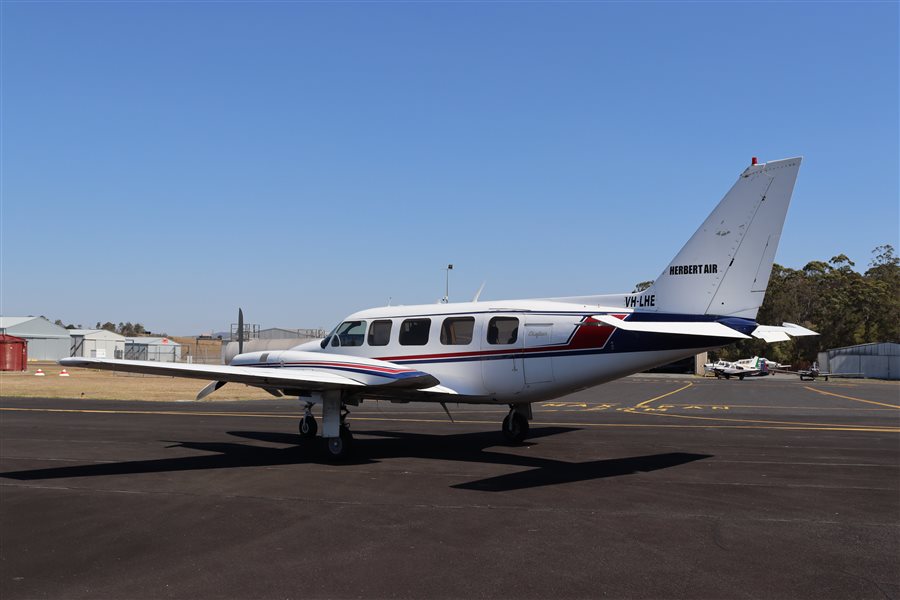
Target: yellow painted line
column 155, row 412
column 829, row 425
column 812, row 389
column 785, row 426
column 645, row 402
column 775, row 406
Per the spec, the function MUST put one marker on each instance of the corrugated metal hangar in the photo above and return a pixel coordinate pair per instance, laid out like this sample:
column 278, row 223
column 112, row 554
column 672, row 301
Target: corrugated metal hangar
column 46, row 341
column 97, row 343
column 152, row 348
column 875, row 361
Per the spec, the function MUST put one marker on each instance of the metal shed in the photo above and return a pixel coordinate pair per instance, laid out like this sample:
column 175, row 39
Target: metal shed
column 97, row 343
column 13, row 353
column 46, row 341
column 161, row 349
column 876, row 361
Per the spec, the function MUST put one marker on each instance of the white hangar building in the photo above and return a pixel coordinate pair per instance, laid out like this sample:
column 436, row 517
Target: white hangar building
column 46, row 341
column 97, row 343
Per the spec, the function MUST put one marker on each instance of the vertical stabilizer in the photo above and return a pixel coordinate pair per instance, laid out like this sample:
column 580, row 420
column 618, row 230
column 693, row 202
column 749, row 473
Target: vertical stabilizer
column 724, row 268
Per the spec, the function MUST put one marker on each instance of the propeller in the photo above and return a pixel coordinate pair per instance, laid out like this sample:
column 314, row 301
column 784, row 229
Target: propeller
column 240, row 331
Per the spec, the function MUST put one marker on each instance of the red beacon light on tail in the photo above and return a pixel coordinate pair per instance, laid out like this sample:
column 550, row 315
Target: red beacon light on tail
column 754, row 161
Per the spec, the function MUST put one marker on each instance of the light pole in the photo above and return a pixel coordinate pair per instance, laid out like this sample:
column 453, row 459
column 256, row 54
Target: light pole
column 447, row 289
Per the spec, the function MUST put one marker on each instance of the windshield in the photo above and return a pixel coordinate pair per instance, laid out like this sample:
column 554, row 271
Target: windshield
column 326, row 339
column 349, row 333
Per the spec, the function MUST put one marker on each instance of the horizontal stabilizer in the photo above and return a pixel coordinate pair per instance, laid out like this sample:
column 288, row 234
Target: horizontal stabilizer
column 704, row 328
column 773, row 333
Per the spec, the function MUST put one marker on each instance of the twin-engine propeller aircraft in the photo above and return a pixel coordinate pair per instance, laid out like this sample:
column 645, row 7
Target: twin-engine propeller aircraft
column 518, row 352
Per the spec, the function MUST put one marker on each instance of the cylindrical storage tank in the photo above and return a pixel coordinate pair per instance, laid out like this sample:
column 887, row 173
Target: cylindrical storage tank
column 13, row 353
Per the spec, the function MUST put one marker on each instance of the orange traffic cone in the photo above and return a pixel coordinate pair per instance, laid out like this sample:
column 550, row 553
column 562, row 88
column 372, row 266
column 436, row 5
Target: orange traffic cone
column 64, row 373
column 39, row 373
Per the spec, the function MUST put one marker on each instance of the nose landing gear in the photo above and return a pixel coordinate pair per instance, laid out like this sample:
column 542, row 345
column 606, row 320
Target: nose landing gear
column 308, row 426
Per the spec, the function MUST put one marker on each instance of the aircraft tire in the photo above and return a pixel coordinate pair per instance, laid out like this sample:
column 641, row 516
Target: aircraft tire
column 515, row 427
column 339, row 448
column 308, row 427
column 741, row 376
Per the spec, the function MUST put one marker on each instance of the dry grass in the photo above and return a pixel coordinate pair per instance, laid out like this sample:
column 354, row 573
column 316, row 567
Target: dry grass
column 106, row 385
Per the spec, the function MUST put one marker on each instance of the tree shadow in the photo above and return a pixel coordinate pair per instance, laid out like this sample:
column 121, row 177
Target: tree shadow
column 376, row 446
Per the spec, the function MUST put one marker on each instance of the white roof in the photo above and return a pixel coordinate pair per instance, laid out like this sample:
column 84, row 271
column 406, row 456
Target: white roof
column 97, row 333
column 152, row 341
column 13, row 321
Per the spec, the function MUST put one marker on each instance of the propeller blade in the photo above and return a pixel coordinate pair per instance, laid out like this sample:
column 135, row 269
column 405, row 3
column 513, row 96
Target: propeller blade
column 240, row 331
column 209, row 389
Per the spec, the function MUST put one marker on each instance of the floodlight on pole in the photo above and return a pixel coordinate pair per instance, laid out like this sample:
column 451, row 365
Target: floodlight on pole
column 447, row 289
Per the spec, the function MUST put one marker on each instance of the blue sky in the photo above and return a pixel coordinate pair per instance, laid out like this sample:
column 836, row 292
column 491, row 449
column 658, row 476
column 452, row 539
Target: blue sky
column 169, row 162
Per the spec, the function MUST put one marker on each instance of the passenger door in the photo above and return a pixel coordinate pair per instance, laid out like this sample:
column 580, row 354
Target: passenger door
column 538, row 369
column 501, row 367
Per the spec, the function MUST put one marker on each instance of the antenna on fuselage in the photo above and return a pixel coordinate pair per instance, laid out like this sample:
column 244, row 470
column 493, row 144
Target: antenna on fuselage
column 478, row 293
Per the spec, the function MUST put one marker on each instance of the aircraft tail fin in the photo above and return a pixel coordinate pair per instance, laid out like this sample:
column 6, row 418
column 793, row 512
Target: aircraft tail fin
column 725, row 267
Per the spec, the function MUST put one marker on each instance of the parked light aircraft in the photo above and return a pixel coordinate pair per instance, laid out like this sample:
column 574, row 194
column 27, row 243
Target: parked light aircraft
column 749, row 367
column 814, row 372
column 517, row 352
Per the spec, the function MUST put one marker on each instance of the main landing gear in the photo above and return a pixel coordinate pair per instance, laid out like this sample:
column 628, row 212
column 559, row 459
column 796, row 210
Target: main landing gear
column 338, row 441
column 515, row 424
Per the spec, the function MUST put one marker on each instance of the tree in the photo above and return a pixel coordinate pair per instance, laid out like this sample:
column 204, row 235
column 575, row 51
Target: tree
column 846, row 307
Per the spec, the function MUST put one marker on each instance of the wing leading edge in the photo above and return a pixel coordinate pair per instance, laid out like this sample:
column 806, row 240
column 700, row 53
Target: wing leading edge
column 310, row 375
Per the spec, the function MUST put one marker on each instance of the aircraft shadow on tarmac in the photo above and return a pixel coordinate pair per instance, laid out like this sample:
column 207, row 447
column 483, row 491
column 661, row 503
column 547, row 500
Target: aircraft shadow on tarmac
column 374, row 446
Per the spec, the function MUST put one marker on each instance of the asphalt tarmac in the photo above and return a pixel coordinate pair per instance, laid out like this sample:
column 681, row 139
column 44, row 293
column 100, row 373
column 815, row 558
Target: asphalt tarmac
column 649, row 487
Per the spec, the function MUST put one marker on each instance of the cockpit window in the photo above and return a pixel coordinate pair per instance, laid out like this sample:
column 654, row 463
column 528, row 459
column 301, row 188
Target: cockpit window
column 327, row 338
column 349, row 333
column 503, row 330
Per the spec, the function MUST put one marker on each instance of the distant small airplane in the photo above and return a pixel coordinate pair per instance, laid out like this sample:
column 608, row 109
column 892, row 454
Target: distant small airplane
column 747, row 367
column 814, row 373
column 518, row 352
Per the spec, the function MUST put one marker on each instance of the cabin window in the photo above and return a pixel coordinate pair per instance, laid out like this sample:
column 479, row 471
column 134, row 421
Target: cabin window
column 457, row 331
column 414, row 332
column 349, row 333
column 503, row 330
column 380, row 333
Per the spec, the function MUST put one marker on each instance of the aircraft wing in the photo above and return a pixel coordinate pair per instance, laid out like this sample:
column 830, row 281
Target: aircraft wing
column 318, row 375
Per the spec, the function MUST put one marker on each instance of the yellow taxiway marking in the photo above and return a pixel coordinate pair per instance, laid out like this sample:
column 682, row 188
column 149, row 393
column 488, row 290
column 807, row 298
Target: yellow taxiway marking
column 646, row 402
column 783, row 425
column 797, row 423
column 812, row 389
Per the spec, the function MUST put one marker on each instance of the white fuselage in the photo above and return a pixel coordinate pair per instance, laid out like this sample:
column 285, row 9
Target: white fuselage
column 502, row 352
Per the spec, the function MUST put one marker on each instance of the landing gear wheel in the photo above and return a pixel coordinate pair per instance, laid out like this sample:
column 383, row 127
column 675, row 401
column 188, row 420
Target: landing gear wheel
column 515, row 427
column 741, row 376
column 308, row 427
column 340, row 447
